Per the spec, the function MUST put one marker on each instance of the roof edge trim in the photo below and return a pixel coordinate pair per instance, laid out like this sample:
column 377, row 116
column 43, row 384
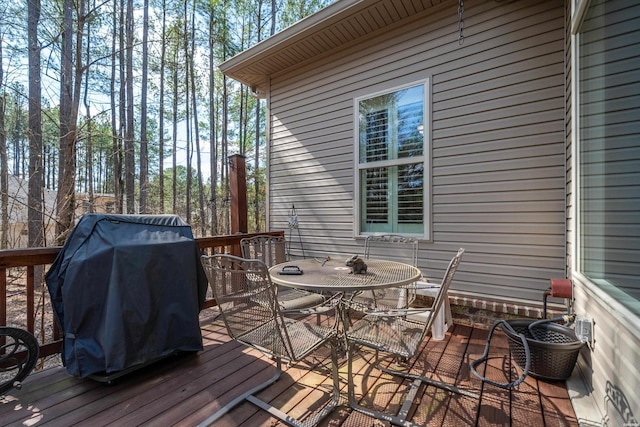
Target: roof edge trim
column 291, row 33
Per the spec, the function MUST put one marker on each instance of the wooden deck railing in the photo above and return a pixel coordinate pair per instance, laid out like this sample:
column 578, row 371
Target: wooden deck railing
column 33, row 262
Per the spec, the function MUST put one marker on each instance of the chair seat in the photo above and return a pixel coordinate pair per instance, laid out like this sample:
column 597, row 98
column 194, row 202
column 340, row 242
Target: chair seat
column 391, row 334
column 292, row 299
column 304, row 337
column 272, row 250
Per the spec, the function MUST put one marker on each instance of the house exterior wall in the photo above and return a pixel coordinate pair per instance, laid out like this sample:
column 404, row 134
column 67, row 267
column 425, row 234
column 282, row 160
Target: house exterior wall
column 606, row 390
column 18, row 232
column 18, row 210
column 498, row 172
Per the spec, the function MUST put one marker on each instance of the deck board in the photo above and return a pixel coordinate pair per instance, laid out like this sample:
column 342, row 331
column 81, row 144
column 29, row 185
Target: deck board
column 452, row 368
column 495, row 408
column 184, row 390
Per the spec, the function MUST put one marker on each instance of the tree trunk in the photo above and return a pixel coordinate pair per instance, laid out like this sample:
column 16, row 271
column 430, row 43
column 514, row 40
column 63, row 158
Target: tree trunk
column 256, row 158
column 88, row 142
column 67, row 159
column 116, row 159
column 144, row 155
column 242, row 124
column 129, row 150
column 224, row 176
column 70, row 84
column 212, row 126
column 17, row 136
column 161, row 113
column 4, row 166
column 174, row 176
column 35, row 222
column 187, row 112
column 201, row 221
column 256, row 172
column 122, row 103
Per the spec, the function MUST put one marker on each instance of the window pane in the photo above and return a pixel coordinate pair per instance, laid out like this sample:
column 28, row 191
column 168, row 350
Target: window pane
column 609, row 154
column 410, row 193
column 377, row 136
column 376, row 204
column 391, row 125
column 410, row 135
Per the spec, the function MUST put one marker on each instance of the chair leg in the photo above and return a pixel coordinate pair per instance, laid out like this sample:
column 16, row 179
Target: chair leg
column 431, row 381
column 245, row 396
column 335, row 398
column 353, row 402
column 400, row 419
column 249, row 396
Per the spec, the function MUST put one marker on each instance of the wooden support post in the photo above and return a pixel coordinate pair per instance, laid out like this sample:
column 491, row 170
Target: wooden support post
column 238, row 184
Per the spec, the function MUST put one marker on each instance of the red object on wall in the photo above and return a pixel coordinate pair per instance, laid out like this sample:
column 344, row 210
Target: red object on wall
column 561, row 288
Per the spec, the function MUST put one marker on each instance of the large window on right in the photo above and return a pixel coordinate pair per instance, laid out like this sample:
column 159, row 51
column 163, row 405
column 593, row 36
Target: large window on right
column 608, row 148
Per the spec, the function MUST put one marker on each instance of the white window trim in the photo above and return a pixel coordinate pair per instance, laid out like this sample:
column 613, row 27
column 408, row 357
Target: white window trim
column 603, row 293
column 426, row 158
column 575, row 128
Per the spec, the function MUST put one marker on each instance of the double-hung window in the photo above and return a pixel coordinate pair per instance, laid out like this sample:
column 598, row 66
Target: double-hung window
column 391, row 159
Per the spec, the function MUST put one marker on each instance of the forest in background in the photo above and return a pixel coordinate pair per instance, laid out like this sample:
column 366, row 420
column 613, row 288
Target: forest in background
column 124, row 98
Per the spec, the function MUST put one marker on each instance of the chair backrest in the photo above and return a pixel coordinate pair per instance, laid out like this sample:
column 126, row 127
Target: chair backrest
column 444, row 287
column 246, row 297
column 392, row 247
column 269, row 249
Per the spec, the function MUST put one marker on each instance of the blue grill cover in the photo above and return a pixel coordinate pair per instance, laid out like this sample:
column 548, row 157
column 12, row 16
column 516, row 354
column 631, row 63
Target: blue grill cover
column 126, row 290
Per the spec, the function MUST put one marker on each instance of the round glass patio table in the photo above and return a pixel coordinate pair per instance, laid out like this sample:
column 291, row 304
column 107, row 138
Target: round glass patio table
column 334, row 276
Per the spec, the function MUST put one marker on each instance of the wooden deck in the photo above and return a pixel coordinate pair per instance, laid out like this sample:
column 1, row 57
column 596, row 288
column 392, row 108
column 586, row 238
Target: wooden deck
column 184, row 390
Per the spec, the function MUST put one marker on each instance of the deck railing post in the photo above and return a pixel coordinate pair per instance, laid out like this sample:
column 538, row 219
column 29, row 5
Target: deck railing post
column 238, row 189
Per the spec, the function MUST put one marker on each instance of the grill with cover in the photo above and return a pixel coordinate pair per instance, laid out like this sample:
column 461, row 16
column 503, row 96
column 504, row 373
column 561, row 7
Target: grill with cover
column 127, row 290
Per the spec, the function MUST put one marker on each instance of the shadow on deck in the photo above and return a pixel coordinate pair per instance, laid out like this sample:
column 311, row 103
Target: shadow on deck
column 184, row 390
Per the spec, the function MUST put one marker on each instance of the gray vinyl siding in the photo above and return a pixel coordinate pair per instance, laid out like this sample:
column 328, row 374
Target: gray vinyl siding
column 498, row 171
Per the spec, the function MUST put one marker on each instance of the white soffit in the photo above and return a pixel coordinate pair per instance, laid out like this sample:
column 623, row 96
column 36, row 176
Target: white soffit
column 338, row 24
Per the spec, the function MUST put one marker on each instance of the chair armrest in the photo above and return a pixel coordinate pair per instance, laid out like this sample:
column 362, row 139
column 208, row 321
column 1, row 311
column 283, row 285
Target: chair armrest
column 429, row 289
column 385, row 312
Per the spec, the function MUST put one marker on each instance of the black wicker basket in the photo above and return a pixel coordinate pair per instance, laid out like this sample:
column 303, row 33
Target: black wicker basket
column 554, row 348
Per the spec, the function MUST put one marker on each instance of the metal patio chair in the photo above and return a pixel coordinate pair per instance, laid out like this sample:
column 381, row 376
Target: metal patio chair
column 390, row 247
column 403, row 249
column 246, row 297
column 395, row 332
column 271, row 251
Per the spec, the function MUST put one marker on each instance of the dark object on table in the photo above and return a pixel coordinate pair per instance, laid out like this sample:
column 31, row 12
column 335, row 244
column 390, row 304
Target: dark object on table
column 357, row 265
column 291, row 270
column 127, row 290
